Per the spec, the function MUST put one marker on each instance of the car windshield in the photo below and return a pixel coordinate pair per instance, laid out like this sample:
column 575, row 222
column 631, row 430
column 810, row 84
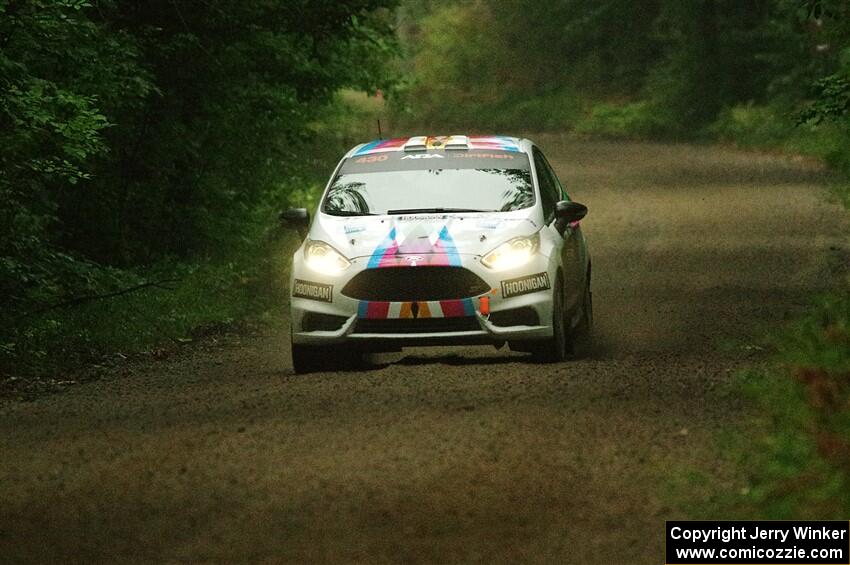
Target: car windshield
column 436, row 185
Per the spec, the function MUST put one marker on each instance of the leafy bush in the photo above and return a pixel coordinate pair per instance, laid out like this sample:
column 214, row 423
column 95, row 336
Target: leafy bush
column 636, row 119
column 751, row 125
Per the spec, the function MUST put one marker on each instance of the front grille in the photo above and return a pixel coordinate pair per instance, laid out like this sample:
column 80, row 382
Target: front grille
column 402, row 284
column 525, row 316
column 417, row 326
column 315, row 322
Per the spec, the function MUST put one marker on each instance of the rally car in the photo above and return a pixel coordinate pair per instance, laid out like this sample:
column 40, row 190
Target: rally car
column 434, row 240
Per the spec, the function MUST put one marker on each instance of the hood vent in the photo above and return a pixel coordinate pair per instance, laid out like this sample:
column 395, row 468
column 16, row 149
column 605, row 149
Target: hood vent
column 457, row 142
column 418, row 143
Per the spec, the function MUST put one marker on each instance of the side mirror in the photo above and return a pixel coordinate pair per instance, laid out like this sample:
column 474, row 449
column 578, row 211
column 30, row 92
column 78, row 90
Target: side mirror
column 299, row 218
column 567, row 213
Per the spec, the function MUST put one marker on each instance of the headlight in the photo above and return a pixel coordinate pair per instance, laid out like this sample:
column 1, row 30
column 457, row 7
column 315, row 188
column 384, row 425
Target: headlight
column 323, row 258
column 513, row 253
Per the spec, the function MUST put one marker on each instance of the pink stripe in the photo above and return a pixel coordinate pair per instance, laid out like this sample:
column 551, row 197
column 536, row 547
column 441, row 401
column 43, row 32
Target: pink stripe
column 377, row 310
column 452, row 308
column 440, row 256
column 397, row 142
column 389, row 255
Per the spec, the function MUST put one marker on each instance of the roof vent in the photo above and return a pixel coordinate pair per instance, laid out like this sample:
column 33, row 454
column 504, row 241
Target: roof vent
column 457, row 142
column 418, row 143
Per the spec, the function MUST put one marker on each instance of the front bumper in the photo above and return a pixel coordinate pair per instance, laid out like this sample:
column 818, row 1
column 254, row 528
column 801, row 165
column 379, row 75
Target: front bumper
column 456, row 321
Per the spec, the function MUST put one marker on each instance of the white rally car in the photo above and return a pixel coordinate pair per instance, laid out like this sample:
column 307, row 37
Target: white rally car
column 440, row 240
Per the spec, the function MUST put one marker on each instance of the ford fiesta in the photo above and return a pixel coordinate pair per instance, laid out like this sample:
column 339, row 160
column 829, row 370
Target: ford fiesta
column 440, row 240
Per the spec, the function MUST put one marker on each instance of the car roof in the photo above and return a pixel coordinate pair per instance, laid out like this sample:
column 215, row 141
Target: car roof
column 442, row 142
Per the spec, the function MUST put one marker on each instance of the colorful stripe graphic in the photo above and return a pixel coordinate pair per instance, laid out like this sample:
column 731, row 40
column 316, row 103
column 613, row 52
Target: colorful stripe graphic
column 390, row 253
column 493, row 142
column 457, row 308
column 426, row 309
column 446, row 246
column 373, row 310
column 386, row 250
column 382, row 145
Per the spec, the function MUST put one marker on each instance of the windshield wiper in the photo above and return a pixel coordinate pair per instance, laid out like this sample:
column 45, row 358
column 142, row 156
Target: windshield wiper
column 433, row 210
column 348, row 213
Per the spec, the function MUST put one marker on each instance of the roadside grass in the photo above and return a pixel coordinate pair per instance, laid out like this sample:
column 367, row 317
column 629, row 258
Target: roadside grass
column 797, row 448
column 641, row 119
column 789, row 458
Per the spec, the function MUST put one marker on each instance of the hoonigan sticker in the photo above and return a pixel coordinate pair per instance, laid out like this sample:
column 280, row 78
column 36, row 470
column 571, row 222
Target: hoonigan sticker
column 525, row 285
column 313, row 290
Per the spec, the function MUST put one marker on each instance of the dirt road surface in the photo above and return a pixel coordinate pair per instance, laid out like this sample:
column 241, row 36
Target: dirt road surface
column 220, row 454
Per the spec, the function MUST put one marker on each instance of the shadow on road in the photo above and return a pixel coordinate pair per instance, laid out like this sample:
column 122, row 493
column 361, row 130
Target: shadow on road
column 496, row 358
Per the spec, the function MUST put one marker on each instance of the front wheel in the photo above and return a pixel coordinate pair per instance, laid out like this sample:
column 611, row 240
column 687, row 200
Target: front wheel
column 555, row 348
column 581, row 337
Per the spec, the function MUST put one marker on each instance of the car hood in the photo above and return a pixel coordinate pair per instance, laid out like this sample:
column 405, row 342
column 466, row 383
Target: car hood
column 433, row 237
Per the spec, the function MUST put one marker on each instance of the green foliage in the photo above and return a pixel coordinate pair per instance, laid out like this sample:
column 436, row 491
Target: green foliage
column 832, row 100
column 752, row 125
column 210, row 294
column 664, row 68
column 799, row 465
column 636, row 119
column 142, row 137
column 515, row 64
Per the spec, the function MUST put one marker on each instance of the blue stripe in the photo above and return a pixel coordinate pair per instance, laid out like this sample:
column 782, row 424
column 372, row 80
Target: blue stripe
column 362, row 309
column 508, row 144
column 378, row 253
column 368, row 147
column 449, row 245
column 468, row 307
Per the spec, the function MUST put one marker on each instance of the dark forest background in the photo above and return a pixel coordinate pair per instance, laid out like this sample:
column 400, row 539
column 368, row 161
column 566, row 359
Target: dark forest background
column 743, row 70
column 147, row 147
column 152, row 143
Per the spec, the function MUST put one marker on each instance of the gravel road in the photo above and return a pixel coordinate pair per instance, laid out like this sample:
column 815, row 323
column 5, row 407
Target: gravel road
column 220, row 454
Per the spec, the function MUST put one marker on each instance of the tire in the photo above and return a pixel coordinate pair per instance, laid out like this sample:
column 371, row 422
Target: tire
column 581, row 337
column 556, row 348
